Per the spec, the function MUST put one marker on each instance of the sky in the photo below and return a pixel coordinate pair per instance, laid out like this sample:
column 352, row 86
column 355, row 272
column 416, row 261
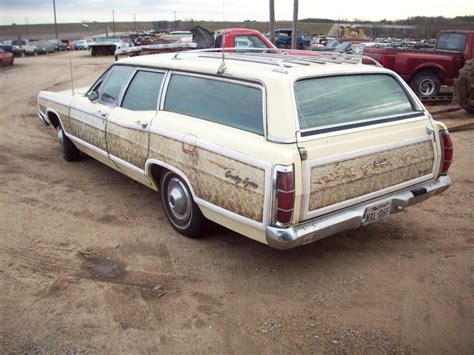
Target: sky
column 41, row 11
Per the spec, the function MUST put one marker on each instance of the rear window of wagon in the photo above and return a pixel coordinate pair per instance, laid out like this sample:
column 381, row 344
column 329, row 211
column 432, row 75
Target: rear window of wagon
column 344, row 100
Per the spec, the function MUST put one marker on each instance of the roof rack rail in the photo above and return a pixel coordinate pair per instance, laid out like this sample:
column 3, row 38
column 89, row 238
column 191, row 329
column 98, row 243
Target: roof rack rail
column 277, row 57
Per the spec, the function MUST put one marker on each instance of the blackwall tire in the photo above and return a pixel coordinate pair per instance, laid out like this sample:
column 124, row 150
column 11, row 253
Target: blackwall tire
column 70, row 152
column 426, row 84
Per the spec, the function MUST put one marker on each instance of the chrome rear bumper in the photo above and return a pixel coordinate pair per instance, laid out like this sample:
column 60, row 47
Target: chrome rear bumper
column 350, row 218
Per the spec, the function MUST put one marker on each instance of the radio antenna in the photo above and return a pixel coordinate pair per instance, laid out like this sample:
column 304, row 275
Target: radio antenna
column 72, row 78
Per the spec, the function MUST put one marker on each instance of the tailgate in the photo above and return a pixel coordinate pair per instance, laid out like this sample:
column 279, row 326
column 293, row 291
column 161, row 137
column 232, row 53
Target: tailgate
column 355, row 160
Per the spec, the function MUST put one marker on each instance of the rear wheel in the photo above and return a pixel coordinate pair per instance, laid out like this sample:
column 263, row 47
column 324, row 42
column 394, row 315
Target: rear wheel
column 180, row 209
column 426, row 84
column 70, row 152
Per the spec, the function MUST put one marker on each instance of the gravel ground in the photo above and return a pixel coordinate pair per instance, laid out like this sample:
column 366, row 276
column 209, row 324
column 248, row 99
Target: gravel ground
column 88, row 262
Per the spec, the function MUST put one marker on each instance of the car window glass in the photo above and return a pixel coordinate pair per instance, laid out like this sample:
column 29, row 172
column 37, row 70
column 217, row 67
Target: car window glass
column 142, row 93
column 248, row 42
column 338, row 100
column 452, row 41
column 227, row 103
column 110, row 88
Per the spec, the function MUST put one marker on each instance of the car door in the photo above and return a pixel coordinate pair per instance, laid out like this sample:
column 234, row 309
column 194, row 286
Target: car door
column 128, row 124
column 88, row 114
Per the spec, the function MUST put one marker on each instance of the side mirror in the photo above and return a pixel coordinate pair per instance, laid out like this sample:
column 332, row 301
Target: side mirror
column 93, row 95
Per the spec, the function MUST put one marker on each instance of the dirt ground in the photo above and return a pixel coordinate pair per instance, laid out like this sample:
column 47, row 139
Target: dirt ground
column 88, row 262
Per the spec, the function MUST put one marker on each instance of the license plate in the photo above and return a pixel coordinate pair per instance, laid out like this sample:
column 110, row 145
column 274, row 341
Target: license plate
column 377, row 212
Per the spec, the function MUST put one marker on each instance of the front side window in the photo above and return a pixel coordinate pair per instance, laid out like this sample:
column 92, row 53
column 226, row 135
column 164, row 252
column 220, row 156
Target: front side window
column 227, row 103
column 142, row 93
column 340, row 100
column 110, row 89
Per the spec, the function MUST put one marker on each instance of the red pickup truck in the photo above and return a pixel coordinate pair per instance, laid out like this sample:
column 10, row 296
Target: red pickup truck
column 427, row 70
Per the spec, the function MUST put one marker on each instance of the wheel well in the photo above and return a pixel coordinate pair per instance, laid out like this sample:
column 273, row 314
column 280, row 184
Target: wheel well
column 156, row 171
column 54, row 119
column 438, row 72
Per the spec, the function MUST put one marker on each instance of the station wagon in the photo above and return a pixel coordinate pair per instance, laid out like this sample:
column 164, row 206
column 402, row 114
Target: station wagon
column 283, row 149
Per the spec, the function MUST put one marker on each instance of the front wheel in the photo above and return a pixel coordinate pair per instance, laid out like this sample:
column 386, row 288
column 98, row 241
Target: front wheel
column 70, row 152
column 180, row 209
column 426, row 84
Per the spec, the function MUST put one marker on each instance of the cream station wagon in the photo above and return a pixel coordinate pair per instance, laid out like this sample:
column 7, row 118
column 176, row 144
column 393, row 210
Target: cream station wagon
column 283, row 149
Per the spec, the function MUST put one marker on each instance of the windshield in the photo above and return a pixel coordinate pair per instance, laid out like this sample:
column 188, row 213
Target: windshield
column 451, row 41
column 339, row 100
column 18, row 43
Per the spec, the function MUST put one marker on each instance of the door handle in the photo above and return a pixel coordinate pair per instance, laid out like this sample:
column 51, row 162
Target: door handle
column 102, row 113
column 141, row 124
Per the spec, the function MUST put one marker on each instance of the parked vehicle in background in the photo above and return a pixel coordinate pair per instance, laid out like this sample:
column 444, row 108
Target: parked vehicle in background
column 15, row 50
column 59, row 46
column 106, row 45
column 69, row 44
column 44, row 47
column 6, row 58
column 426, row 70
column 283, row 149
column 283, row 39
column 28, row 47
column 82, row 44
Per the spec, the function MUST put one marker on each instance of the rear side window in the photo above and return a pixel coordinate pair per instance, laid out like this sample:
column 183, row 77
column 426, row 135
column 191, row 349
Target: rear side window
column 451, row 41
column 340, row 100
column 110, row 88
column 248, row 42
column 227, row 103
column 142, row 93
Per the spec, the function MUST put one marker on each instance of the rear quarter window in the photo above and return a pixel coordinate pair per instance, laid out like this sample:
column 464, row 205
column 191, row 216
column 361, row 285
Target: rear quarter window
column 342, row 100
column 227, row 103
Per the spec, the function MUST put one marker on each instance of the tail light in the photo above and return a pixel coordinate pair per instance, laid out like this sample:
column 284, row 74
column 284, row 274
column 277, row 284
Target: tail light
column 284, row 202
column 446, row 152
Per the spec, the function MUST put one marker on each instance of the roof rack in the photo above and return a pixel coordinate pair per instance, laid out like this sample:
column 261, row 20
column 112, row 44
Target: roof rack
column 276, row 57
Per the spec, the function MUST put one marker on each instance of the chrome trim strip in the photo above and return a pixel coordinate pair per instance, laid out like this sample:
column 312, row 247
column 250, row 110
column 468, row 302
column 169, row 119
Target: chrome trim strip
column 126, row 165
column 350, row 218
column 301, row 139
column 87, row 145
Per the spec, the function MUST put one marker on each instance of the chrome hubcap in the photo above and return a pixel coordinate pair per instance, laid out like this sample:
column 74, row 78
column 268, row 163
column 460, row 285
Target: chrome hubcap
column 179, row 199
column 427, row 87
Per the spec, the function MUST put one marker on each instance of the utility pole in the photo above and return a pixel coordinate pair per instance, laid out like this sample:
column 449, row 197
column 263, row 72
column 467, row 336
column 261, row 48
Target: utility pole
column 272, row 21
column 294, row 37
column 134, row 23
column 27, row 27
column 175, row 20
column 55, row 22
column 113, row 21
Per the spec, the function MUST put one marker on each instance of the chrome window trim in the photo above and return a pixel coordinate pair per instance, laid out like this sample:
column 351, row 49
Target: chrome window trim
column 257, row 85
column 415, row 102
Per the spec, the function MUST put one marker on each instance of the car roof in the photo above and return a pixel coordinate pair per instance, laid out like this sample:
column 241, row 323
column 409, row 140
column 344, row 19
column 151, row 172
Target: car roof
column 254, row 68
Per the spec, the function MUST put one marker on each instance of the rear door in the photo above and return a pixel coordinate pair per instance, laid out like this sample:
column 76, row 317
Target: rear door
column 364, row 137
